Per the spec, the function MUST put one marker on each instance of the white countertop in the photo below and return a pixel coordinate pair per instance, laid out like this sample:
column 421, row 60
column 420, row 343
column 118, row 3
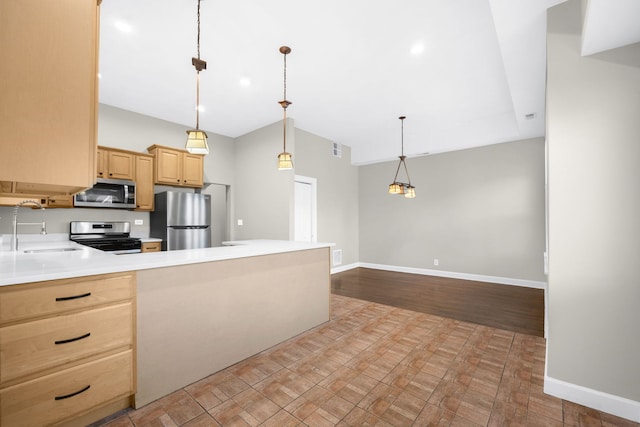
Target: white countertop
column 19, row 267
column 149, row 240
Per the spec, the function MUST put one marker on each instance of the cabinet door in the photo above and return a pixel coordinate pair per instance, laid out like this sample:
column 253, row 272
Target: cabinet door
column 48, row 87
column 64, row 201
column 101, row 171
column 169, row 167
column 192, row 170
column 57, row 296
column 144, row 183
column 121, row 165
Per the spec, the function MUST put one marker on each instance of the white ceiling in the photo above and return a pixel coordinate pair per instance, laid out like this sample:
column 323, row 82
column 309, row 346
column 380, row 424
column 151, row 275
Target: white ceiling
column 351, row 72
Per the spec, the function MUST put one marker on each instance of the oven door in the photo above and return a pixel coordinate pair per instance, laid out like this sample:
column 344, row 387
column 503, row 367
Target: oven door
column 108, row 193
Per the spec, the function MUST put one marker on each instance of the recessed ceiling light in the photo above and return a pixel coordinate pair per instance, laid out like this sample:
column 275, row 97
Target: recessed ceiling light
column 123, row 26
column 417, row 49
column 99, row 75
column 245, row 81
column 201, row 108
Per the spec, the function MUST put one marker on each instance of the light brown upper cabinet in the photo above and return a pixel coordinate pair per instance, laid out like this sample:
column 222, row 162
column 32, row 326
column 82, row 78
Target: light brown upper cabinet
column 49, row 87
column 115, row 164
column 144, row 182
column 177, row 167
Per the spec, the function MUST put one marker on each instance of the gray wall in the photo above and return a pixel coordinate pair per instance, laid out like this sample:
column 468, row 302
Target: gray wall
column 131, row 131
column 338, row 186
column 594, row 210
column 478, row 211
column 263, row 194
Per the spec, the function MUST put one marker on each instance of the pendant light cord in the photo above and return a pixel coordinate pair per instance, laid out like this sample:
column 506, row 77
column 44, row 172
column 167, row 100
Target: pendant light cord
column 284, row 103
column 402, row 156
column 198, row 41
column 199, row 65
column 284, row 106
column 402, row 136
column 198, row 75
column 285, row 78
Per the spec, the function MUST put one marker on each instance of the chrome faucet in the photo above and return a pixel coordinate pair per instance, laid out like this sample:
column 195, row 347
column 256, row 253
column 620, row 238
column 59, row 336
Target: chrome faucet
column 43, row 224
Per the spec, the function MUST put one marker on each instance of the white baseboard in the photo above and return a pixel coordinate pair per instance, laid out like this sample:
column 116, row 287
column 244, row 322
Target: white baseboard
column 615, row 405
column 342, row 268
column 611, row 404
column 464, row 276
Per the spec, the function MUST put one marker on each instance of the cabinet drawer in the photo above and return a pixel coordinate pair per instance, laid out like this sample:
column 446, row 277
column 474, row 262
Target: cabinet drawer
column 151, row 246
column 21, row 302
column 32, row 347
column 67, row 393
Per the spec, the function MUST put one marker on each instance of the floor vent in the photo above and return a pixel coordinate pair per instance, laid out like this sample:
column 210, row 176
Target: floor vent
column 337, row 257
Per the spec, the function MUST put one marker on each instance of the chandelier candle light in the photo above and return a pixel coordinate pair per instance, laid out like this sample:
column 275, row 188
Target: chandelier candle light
column 397, row 187
column 284, row 158
column 196, row 138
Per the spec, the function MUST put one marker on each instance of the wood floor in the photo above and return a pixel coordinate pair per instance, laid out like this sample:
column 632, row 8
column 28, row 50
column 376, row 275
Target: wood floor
column 512, row 308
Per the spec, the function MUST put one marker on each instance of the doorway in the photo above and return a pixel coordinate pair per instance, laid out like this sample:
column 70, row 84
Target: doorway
column 305, row 213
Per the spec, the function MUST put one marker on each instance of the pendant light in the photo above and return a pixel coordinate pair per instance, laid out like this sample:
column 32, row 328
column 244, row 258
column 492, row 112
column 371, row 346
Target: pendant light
column 196, row 138
column 397, row 187
column 284, row 158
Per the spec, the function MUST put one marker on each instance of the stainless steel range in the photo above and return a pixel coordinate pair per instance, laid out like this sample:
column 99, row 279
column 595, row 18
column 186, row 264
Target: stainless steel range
column 112, row 237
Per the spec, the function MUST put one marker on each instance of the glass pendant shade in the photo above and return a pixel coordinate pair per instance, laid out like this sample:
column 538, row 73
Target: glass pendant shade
column 284, row 161
column 197, row 142
column 410, row 193
column 395, row 188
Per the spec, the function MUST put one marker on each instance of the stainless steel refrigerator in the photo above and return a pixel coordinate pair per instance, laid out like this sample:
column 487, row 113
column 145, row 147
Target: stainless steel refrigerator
column 182, row 220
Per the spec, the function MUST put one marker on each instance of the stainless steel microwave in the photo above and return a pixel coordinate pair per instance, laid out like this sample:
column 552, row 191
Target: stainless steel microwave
column 108, row 193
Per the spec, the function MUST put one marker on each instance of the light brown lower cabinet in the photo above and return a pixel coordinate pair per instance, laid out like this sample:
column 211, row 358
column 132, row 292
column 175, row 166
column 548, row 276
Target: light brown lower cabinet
column 60, row 396
column 67, row 350
column 151, row 246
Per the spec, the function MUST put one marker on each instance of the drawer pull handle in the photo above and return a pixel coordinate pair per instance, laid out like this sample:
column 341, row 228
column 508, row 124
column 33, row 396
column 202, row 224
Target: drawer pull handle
column 66, row 396
column 81, row 337
column 88, row 294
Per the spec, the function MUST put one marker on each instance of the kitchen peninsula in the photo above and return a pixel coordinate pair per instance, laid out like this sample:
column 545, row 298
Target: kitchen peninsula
column 195, row 311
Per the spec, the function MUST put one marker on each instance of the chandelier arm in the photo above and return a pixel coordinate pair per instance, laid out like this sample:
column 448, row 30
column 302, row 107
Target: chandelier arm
column 395, row 178
column 406, row 171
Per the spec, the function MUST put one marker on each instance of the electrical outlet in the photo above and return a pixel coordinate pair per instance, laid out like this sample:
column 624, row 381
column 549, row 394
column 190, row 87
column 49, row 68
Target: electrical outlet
column 240, row 222
column 436, row 261
column 138, row 222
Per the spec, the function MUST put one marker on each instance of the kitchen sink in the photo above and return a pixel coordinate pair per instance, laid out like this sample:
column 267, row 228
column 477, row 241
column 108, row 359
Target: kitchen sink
column 40, row 251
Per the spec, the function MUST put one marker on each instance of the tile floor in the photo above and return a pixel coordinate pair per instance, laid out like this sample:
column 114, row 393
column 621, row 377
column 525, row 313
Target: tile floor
column 376, row 365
